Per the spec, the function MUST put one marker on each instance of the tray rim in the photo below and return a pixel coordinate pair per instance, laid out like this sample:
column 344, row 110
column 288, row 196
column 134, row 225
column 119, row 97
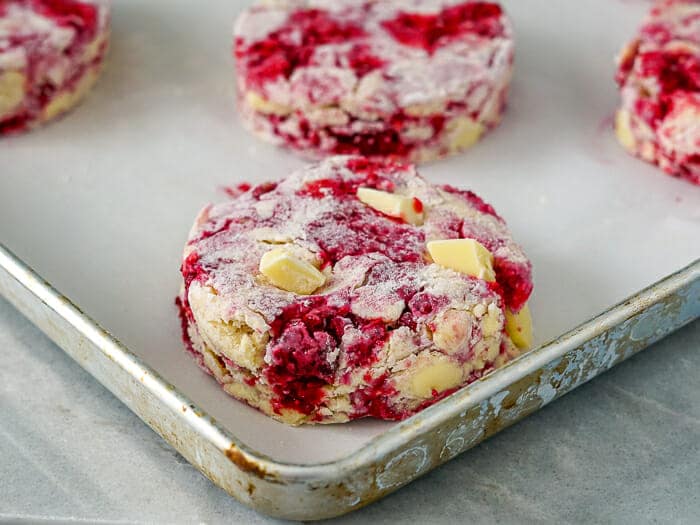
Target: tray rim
column 380, row 445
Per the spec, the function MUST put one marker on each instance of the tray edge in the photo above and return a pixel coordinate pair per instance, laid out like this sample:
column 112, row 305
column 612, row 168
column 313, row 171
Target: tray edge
column 408, row 450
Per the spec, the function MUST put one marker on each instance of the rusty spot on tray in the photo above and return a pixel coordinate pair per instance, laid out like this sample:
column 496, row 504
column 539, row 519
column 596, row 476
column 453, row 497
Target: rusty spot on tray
column 246, row 465
column 496, row 423
column 341, row 491
column 561, row 367
column 250, row 489
column 492, row 426
column 356, row 496
column 516, row 389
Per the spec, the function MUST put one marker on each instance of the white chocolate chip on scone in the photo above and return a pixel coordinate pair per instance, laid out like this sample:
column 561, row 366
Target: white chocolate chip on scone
column 290, row 273
column 435, row 376
column 409, row 209
column 467, row 256
column 519, row 327
column 11, row 91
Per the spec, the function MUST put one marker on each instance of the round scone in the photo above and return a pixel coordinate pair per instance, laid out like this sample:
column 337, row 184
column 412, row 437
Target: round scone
column 410, row 80
column 352, row 288
column 51, row 52
column 659, row 78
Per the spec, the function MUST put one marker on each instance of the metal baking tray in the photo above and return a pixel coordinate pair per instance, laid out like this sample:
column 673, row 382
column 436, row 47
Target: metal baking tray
column 99, row 205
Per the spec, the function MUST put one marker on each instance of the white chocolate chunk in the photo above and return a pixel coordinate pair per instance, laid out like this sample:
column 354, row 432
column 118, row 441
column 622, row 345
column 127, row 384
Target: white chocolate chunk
column 323, row 116
column 63, row 102
column 466, row 256
column 492, row 323
column 479, row 310
column 11, row 91
column 519, row 327
column 406, row 208
column 464, row 132
column 623, row 129
column 425, row 109
column 263, row 105
column 92, row 50
column 291, row 273
column 439, row 377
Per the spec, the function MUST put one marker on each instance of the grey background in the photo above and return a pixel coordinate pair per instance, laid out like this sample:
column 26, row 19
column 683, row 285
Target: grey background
column 624, row 448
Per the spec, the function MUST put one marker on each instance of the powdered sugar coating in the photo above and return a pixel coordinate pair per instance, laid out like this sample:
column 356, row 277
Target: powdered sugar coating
column 412, row 80
column 659, row 77
column 357, row 347
column 50, row 55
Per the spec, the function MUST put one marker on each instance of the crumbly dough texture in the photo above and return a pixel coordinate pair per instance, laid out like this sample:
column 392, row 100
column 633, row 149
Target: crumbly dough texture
column 659, row 78
column 387, row 333
column 51, row 52
column 412, row 80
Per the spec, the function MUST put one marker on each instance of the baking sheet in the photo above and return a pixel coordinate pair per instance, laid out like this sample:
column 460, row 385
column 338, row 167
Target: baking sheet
column 100, row 202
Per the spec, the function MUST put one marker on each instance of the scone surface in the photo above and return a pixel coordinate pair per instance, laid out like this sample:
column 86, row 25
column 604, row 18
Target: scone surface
column 411, row 80
column 386, row 332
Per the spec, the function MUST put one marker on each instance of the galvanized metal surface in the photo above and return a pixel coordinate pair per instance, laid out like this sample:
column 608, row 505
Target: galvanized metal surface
column 408, row 450
column 623, row 448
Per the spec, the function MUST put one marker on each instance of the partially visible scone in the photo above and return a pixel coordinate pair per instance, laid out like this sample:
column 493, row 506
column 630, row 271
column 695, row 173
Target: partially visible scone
column 51, row 52
column 659, row 78
column 352, row 288
column 411, row 80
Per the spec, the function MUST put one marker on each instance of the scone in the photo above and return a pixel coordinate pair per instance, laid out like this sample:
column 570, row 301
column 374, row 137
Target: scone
column 659, row 78
column 51, row 52
column 411, row 80
column 352, row 288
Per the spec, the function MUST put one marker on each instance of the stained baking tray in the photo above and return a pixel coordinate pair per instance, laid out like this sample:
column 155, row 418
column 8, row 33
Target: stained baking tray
column 99, row 205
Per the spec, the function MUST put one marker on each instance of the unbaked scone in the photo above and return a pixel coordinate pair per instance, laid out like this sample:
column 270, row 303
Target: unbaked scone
column 352, row 288
column 659, row 78
column 51, row 52
column 412, row 80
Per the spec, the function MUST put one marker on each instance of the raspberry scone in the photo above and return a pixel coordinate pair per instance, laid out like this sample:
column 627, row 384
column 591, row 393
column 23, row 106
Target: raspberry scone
column 50, row 56
column 352, row 288
column 410, row 80
column 659, row 78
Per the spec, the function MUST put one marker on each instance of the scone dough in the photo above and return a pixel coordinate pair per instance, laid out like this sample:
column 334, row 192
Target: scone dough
column 411, row 80
column 659, row 78
column 386, row 333
column 51, row 52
